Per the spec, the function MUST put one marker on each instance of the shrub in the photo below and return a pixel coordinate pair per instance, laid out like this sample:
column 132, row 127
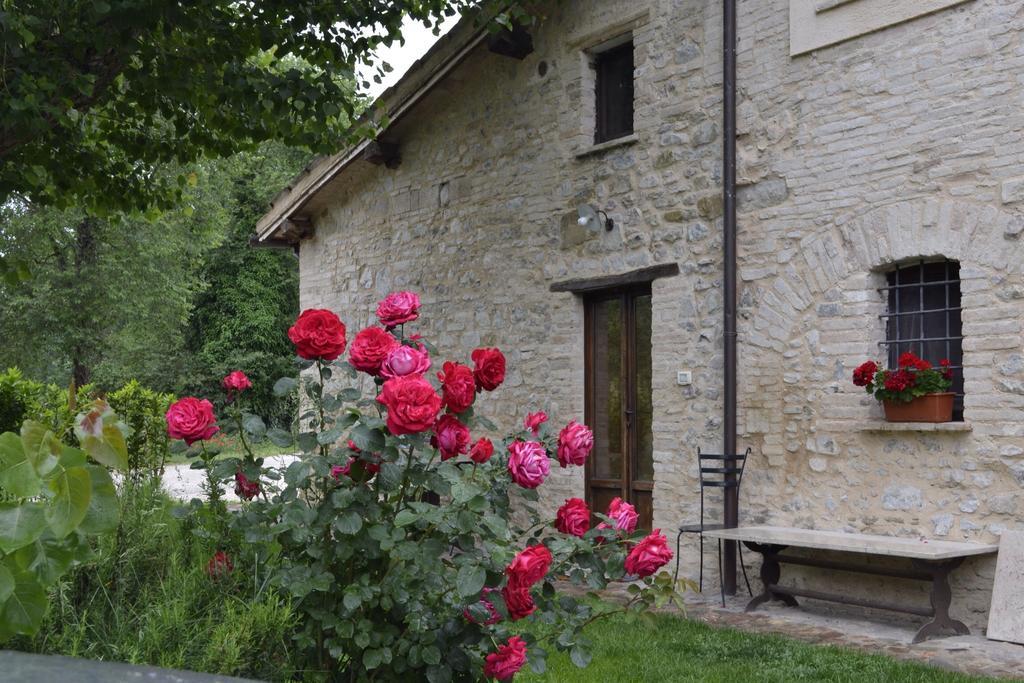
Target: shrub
column 389, row 584
column 17, row 395
column 143, row 411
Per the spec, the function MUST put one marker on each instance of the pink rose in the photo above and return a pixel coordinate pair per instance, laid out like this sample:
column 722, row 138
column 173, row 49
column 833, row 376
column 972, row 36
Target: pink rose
column 481, row 451
column 412, row 404
column 451, row 437
column 507, row 661
column 575, row 442
column 405, row 360
column 528, row 463
column 624, row 514
column 191, row 419
column 533, row 421
column 397, row 308
column 648, row 555
column 493, row 616
column 573, row 517
column 489, row 370
column 236, row 382
column 370, row 348
column 457, row 386
column 339, row 471
column 245, row 488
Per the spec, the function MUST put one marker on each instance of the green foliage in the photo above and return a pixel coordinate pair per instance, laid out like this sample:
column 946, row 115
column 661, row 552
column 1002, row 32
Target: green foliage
column 16, row 397
column 97, row 95
column 53, row 499
column 146, row 598
column 143, row 410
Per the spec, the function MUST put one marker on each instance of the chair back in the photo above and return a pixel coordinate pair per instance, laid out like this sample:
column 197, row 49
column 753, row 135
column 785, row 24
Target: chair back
column 720, row 472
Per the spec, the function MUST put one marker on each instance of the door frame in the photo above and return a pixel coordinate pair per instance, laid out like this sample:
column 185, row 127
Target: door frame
column 627, row 296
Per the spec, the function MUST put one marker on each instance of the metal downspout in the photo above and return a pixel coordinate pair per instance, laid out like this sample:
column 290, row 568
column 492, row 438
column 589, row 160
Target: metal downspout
column 731, row 512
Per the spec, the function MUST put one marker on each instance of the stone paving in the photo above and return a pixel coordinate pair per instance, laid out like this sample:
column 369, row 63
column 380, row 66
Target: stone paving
column 820, row 624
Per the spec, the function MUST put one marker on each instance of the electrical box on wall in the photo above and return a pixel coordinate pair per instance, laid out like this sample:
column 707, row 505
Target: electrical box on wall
column 684, row 378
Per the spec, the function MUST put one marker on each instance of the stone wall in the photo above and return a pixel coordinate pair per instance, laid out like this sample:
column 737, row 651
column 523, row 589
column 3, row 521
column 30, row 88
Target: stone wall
column 898, row 144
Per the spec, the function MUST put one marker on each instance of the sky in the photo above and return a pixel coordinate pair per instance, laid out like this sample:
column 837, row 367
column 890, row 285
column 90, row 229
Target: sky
column 418, row 39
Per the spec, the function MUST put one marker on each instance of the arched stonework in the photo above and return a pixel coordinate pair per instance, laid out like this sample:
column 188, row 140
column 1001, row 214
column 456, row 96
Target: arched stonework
column 824, row 464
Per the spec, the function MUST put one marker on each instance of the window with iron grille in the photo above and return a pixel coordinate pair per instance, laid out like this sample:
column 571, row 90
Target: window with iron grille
column 924, row 318
column 614, row 81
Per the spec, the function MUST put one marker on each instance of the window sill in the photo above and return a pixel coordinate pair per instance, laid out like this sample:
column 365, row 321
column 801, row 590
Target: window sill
column 630, row 139
column 883, row 426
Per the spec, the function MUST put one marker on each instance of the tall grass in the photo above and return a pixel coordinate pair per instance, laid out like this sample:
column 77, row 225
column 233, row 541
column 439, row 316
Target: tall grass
column 147, row 599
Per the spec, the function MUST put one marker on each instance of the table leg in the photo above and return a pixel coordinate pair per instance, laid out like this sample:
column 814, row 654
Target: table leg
column 771, row 570
column 941, row 596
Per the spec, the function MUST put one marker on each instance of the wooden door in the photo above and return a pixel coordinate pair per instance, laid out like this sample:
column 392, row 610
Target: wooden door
column 618, row 399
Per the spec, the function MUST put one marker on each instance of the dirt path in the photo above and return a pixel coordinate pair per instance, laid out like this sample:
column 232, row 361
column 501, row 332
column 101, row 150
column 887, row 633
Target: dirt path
column 184, row 483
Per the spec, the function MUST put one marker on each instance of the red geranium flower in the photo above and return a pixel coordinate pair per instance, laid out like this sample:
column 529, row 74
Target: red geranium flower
column 864, row 374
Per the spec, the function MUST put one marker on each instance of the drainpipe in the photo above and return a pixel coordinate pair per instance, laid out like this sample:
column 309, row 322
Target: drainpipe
column 731, row 512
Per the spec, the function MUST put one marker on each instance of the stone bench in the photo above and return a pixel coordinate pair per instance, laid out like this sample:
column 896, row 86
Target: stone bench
column 931, row 560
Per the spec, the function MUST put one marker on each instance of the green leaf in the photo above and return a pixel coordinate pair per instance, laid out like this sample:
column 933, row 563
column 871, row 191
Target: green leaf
column 348, row 523
column 406, row 517
column 371, row 658
column 101, row 437
column 254, row 425
column 281, row 438
column 580, row 657
column 17, row 473
column 330, row 436
column 20, row 525
column 470, row 580
column 41, row 447
column 48, row 558
column 366, row 439
column 285, row 386
column 104, row 510
column 6, row 583
column 24, row 609
column 73, row 489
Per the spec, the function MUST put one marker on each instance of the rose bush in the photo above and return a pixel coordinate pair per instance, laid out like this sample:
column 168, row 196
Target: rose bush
column 393, row 533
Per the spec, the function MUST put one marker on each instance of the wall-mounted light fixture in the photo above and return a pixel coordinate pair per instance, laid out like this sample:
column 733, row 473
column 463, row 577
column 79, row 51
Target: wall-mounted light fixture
column 591, row 216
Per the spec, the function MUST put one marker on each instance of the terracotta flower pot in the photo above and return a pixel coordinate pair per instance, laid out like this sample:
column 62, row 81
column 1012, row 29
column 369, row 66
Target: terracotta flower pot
column 927, row 408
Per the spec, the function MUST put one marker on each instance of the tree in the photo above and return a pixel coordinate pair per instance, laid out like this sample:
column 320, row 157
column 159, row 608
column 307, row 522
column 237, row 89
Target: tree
column 98, row 95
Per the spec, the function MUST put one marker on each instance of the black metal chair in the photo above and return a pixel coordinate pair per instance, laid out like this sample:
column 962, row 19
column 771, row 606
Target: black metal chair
column 713, row 475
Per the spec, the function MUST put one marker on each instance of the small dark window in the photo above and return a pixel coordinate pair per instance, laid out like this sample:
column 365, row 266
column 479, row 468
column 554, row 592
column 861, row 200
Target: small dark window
column 614, row 93
column 924, row 317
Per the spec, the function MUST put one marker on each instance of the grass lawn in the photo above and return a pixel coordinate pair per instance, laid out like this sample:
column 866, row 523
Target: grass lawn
column 676, row 649
column 231, row 448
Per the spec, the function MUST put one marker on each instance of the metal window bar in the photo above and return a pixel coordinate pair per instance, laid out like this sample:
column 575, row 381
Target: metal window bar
column 906, row 329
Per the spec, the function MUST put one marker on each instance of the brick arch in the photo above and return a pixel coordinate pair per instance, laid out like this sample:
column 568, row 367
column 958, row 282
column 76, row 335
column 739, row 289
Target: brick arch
column 789, row 347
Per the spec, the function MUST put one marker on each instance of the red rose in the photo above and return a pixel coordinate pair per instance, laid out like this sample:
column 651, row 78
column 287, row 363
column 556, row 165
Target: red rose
column 370, row 348
column 245, row 488
column 648, row 555
column 492, row 614
column 489, row 370
column 191, row 419
column 397, row 308
column 507, row 661
column 575, row 442
column 457, row 386
column 412, row 404
column 518, row 601
column 337, row 471
column 219, row 565
column 865, row 373
column 528, row 463
column 318, row 334
column 236, row 382
column 573, row 517
column 481, row 451
column 405, row 360
column 451, row 437
column 533, row 421
column 529, row 566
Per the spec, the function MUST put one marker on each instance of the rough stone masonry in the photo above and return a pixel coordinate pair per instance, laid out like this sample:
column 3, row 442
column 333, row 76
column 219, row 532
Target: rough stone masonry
column 902, row 143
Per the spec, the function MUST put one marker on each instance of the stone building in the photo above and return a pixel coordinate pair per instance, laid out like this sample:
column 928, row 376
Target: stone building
column 878, row 143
